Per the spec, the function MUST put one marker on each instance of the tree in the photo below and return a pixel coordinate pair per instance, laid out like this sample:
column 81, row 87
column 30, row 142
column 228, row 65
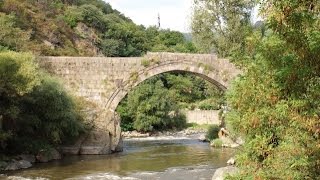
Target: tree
column 11, row 36
column 148, row 108
column 275, row 104
column 221, row 26
column 48, row 117
column 18, row 76
column 35, row 111
column 156, row 103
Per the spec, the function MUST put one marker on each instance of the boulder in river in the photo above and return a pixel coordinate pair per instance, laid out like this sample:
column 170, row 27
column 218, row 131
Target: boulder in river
column 231, row 161
column 3, row 165
column 202, row 138
column 48, row 155
column 27, row 157
column 221, row 173
column 15, row 165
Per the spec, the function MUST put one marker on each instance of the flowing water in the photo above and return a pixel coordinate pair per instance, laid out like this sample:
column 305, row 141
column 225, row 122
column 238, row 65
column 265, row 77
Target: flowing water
column 145, row 158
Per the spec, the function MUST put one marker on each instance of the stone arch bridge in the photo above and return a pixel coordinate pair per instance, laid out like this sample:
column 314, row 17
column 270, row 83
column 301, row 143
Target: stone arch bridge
column 104, row 82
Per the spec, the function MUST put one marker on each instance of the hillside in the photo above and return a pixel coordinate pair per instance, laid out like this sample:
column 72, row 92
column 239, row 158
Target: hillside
column 80, row 28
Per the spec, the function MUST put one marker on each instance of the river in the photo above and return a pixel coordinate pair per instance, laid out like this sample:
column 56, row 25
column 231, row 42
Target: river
column 151, row 158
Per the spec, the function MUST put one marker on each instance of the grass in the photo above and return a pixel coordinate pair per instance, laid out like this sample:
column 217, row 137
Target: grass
column 198, row 126
column 216, row 143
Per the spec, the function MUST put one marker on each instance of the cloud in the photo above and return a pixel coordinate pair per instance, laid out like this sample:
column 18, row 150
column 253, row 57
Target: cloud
column 174, row 14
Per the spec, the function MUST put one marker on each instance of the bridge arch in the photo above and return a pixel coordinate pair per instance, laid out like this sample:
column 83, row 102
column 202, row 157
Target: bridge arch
column 206, row 72
column 105, row 81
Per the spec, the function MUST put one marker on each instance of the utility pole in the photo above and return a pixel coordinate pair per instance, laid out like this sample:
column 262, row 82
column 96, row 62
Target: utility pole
column 159, row 20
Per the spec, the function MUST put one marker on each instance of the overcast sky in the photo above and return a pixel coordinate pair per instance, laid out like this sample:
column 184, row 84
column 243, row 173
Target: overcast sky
column 174, row 14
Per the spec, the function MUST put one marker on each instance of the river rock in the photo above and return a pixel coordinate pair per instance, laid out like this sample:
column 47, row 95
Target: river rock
column 231, row 161
column 240, row 141
column 27, row 157
column 221, row 173
column 202, row 138
column 3, row 165
column 134, row 134
column 15, row 165
column 48, row 155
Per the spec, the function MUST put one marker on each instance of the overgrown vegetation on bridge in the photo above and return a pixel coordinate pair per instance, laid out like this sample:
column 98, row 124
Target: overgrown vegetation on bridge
column 276, row 102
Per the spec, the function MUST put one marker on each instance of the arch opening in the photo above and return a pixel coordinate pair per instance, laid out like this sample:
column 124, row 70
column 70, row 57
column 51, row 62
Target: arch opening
column 211, row 75
column 149, row 100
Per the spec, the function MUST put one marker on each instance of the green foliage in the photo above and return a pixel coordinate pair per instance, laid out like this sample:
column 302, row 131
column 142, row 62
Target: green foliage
column 221, row 26
column 148, row 107
column 18, row 73
column 216, row 142
column 18, row 76
column 35, row 112
column 80, row 28
column 145, row 62
column 50, row 112
column 155, row 104
column 168, row 41
column 211, row 103
column 275, row 104
column 12, row 36
column 212, row 132
column 197, row 126
column 72, row 16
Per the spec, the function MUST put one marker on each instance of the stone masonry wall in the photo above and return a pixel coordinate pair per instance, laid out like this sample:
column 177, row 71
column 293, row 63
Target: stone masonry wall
column 203, row 116
column 105, row 81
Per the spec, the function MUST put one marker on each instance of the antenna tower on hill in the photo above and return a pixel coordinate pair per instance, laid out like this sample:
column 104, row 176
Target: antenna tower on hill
column 159, row 20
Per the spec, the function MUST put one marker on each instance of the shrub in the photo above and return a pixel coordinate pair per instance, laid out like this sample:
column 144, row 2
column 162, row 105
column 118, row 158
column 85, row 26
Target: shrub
column 18, row 76
column 47, row 117
column 212, row 132
column 35, row 110
column 49, row 112
column 210, row 104
column 178, row 120
column 216, row 143
column 128, row 126
column 145, row 62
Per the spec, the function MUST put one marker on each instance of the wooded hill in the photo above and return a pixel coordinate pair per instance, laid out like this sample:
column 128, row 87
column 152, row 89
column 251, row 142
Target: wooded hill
column 80, row 28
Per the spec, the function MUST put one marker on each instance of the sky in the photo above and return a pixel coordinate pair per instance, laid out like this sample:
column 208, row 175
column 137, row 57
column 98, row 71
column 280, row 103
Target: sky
column 174, row 14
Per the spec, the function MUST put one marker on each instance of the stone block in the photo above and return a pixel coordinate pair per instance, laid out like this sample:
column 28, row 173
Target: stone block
column 97, row 142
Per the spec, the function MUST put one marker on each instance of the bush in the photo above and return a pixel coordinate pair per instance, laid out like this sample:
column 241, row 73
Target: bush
column 210, row 104
column 216, row 143
column 49, row 112
column 212, row 132
column 18, row 76
column 18, row 73
column 145, row 62
column 177, row 121
column 35, row 110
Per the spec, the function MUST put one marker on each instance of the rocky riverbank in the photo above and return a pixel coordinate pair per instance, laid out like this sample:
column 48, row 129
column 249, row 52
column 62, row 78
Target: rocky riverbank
column 223, row 172
column 190, row 133
column 24, row 161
